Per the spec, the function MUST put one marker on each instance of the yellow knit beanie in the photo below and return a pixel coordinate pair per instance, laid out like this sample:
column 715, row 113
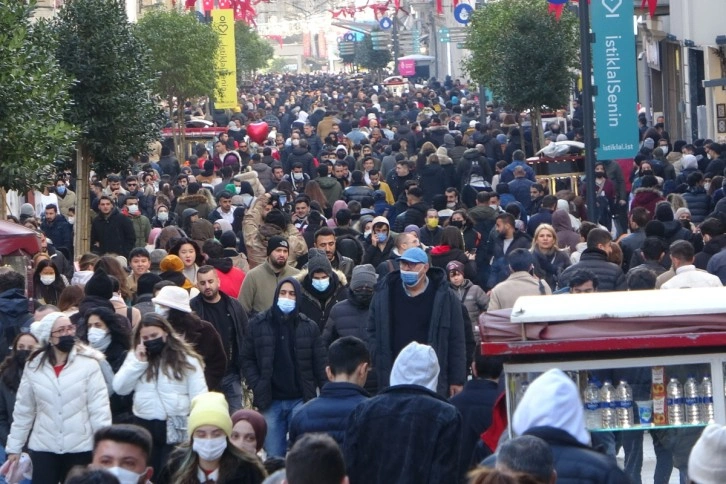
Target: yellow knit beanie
column 210, row 409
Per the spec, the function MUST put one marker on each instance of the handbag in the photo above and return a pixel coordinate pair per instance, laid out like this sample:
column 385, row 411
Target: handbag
column 176, row 425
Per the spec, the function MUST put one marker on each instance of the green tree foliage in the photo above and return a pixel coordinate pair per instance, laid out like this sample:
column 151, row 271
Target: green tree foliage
column 368, row 58
column 182, row 51
column 278, row 64
column 523, row 53
column 252, row 52
column 112, row 101
column 34, row 97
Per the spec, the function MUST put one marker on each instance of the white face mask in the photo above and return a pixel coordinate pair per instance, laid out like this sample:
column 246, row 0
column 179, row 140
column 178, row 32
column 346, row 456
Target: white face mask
column 47, row 280
column 99, row 338
column 125, row 476
column 71, row 220
column 133, row 208
column 237, row 190
column 664, row 148
column 210, row 449
column 163, row 216
column 161, row 310
column 297, row 176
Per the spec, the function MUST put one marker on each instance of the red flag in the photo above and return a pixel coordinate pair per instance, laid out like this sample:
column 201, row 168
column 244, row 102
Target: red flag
column 207, row 5
column 439, row 7
column 190, row 4
column 225, row 3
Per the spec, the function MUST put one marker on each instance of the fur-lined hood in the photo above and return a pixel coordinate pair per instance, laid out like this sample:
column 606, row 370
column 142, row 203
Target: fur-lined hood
column 300, row 276
column 196, row 199
column 649, row 190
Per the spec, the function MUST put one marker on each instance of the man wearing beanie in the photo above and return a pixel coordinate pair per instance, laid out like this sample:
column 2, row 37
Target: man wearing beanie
column 325, row 240
column 262, row 222
column 393, row 438
column 260, row 282
column 283, row 362
column 416, row 303
column 349, row 317
column 322, row 287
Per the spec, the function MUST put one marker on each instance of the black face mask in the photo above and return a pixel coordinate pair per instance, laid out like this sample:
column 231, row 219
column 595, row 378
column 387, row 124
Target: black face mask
column 21, row 356
column 155, row 346
column 217, row 234
column 456, row 223
column 363, row 297
column 646, row 172
column 65, row 343
column 599, row 175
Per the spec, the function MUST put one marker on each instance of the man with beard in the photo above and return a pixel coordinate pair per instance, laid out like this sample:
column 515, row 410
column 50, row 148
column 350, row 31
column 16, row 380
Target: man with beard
column 230, row 320
column 258, row 290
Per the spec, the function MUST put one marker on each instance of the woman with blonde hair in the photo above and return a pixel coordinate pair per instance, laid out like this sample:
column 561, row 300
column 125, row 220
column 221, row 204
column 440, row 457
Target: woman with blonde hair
column 165, row 374
column 208, row 455
column 550, row 260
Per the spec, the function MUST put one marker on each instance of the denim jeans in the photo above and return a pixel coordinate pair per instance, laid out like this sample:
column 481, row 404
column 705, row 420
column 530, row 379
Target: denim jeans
column 633, row 448
column 278, row 418
column 232, row 389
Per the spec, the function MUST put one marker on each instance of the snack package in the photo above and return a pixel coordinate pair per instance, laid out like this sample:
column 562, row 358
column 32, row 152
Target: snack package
column 658, row 392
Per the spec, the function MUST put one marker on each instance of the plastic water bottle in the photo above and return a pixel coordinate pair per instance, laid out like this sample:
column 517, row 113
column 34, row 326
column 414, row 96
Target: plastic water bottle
column 593, row 415
column 624, row 410
column 607, row 405
column 522, row 389
column 692, row 400
column 707, row 400
column 674, row 402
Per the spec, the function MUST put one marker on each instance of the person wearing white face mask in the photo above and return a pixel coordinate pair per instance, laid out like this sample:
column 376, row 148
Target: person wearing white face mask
column 142, row 226
column 108, row 333
column 124, row 450
column 163, row 217
column 48, row 283
column 209, row 456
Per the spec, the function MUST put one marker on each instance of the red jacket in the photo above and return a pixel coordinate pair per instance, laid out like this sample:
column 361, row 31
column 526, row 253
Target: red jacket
column 230, row 282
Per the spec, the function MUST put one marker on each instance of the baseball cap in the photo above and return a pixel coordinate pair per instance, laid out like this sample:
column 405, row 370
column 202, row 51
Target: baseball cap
column 414, row 255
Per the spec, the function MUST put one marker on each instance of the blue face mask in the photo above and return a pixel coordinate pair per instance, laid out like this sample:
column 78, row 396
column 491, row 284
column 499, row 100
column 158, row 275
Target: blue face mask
column 285, row 305
column 382, row 237
column 409, row 278
column 321, row 285
column 282, row 200
column 60, row 190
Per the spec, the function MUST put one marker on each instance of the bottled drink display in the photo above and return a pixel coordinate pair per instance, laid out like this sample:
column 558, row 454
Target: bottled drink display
column 707, row 401
column 607, row 405
column 593, row 415
column 674, row 402
column 692, row 401
column 522, row 390
column 624, row 410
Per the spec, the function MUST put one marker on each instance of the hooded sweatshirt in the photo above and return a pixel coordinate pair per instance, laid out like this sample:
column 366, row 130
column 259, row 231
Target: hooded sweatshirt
column 552, row 400
column 566, row 236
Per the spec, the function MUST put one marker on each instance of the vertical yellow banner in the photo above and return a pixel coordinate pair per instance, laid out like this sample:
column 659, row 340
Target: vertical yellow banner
column 226, row 64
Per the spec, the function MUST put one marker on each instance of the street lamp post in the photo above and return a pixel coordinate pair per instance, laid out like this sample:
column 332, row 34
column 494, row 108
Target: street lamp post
column 587, row 108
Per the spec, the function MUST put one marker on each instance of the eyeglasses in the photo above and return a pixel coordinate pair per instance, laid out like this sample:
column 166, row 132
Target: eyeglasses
column 131, row 184
column 243, row 146
column 64, row 331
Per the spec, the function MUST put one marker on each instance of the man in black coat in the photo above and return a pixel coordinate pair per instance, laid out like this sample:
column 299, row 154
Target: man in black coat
column 408, row 434
column 476, row 402
column 416, row 303
column 111, row 232
column 283, row 362
column 230, row 320
column 595, row 259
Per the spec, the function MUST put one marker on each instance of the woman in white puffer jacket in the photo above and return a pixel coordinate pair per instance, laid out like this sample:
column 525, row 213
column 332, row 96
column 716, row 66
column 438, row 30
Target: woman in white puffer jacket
column 61, row 402
column 165, row 374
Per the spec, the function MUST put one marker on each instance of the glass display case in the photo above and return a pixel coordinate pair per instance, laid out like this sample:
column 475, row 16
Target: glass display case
column 634, row 392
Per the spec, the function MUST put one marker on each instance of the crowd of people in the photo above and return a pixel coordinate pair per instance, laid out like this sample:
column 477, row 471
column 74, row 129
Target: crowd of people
column 242, row 299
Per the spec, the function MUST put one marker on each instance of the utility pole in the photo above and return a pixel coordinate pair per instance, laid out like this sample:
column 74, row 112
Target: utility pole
column 587, row 107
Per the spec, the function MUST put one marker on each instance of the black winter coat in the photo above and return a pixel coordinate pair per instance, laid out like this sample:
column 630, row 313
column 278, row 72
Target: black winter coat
column 239, row 320
column 314, row 308
column 414, row 215
column 475, row 403
column 699, row 203
column 446, row 331
column 329, row 412
column 433, row 181
column 610, row 275
column 407, row 435
column 300, row 155
column 374, row 256
column 258, row 352
column 114, row 234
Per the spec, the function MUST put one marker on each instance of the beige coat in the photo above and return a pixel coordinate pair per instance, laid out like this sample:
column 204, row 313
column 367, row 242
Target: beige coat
column 521, row 283
column 257, row 233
